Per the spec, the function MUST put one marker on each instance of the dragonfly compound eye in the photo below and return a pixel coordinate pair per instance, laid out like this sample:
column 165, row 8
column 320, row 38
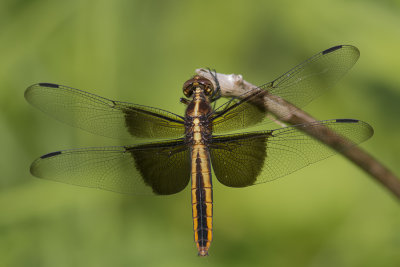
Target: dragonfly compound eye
column 188, row 88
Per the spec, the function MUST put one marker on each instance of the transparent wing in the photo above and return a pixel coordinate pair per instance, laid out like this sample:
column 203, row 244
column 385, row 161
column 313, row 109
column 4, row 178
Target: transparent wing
column 298, row 86
column 311, row 78
column 102, row 116
column 250, row 158
column 240, row 113
column 160, row 168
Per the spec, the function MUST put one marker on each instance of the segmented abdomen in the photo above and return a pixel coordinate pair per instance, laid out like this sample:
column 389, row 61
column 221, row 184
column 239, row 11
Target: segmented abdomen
column 202, row 205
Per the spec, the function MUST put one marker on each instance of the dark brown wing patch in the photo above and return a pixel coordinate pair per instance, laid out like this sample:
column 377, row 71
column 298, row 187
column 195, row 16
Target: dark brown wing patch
column 237, row 160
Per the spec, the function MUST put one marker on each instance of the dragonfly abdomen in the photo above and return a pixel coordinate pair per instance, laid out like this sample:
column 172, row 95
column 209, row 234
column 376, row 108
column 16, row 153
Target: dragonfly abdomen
column 202, row 205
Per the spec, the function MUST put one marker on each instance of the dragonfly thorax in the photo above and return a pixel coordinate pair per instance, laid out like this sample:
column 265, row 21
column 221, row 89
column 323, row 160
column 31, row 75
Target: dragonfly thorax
column 197, row 124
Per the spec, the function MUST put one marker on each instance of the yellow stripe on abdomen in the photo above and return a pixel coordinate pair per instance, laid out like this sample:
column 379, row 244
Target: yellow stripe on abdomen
column 201, row 198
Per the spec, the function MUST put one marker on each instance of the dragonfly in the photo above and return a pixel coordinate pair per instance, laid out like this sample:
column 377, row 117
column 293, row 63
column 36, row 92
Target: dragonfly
column 178, row 149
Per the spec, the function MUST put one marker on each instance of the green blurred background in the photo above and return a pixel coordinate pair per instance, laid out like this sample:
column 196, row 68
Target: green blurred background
column 329, row 214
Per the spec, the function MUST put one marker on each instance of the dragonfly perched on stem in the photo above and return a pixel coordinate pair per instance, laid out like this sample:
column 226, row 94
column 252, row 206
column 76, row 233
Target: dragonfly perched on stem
column 185, row 148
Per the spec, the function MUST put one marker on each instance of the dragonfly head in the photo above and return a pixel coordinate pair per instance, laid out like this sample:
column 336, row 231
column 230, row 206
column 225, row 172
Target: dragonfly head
column 198, row 82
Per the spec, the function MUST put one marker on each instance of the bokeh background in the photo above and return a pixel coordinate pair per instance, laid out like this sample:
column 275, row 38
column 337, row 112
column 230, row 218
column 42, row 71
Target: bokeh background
column 329, row 214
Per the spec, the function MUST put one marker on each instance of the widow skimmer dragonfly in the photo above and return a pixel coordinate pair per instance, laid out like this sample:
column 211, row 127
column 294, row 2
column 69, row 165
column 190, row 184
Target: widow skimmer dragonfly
column 196, row 141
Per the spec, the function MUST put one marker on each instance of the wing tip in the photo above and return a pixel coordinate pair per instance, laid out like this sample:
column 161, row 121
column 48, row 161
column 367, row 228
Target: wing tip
column 337, row 47
column 28, row 90
column 368, row 134
column 35, row 169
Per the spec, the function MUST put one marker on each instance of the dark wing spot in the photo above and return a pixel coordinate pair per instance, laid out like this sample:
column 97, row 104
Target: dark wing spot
column 347, row 120
column 49, row 85
column 329, row 50
column 52, row 154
